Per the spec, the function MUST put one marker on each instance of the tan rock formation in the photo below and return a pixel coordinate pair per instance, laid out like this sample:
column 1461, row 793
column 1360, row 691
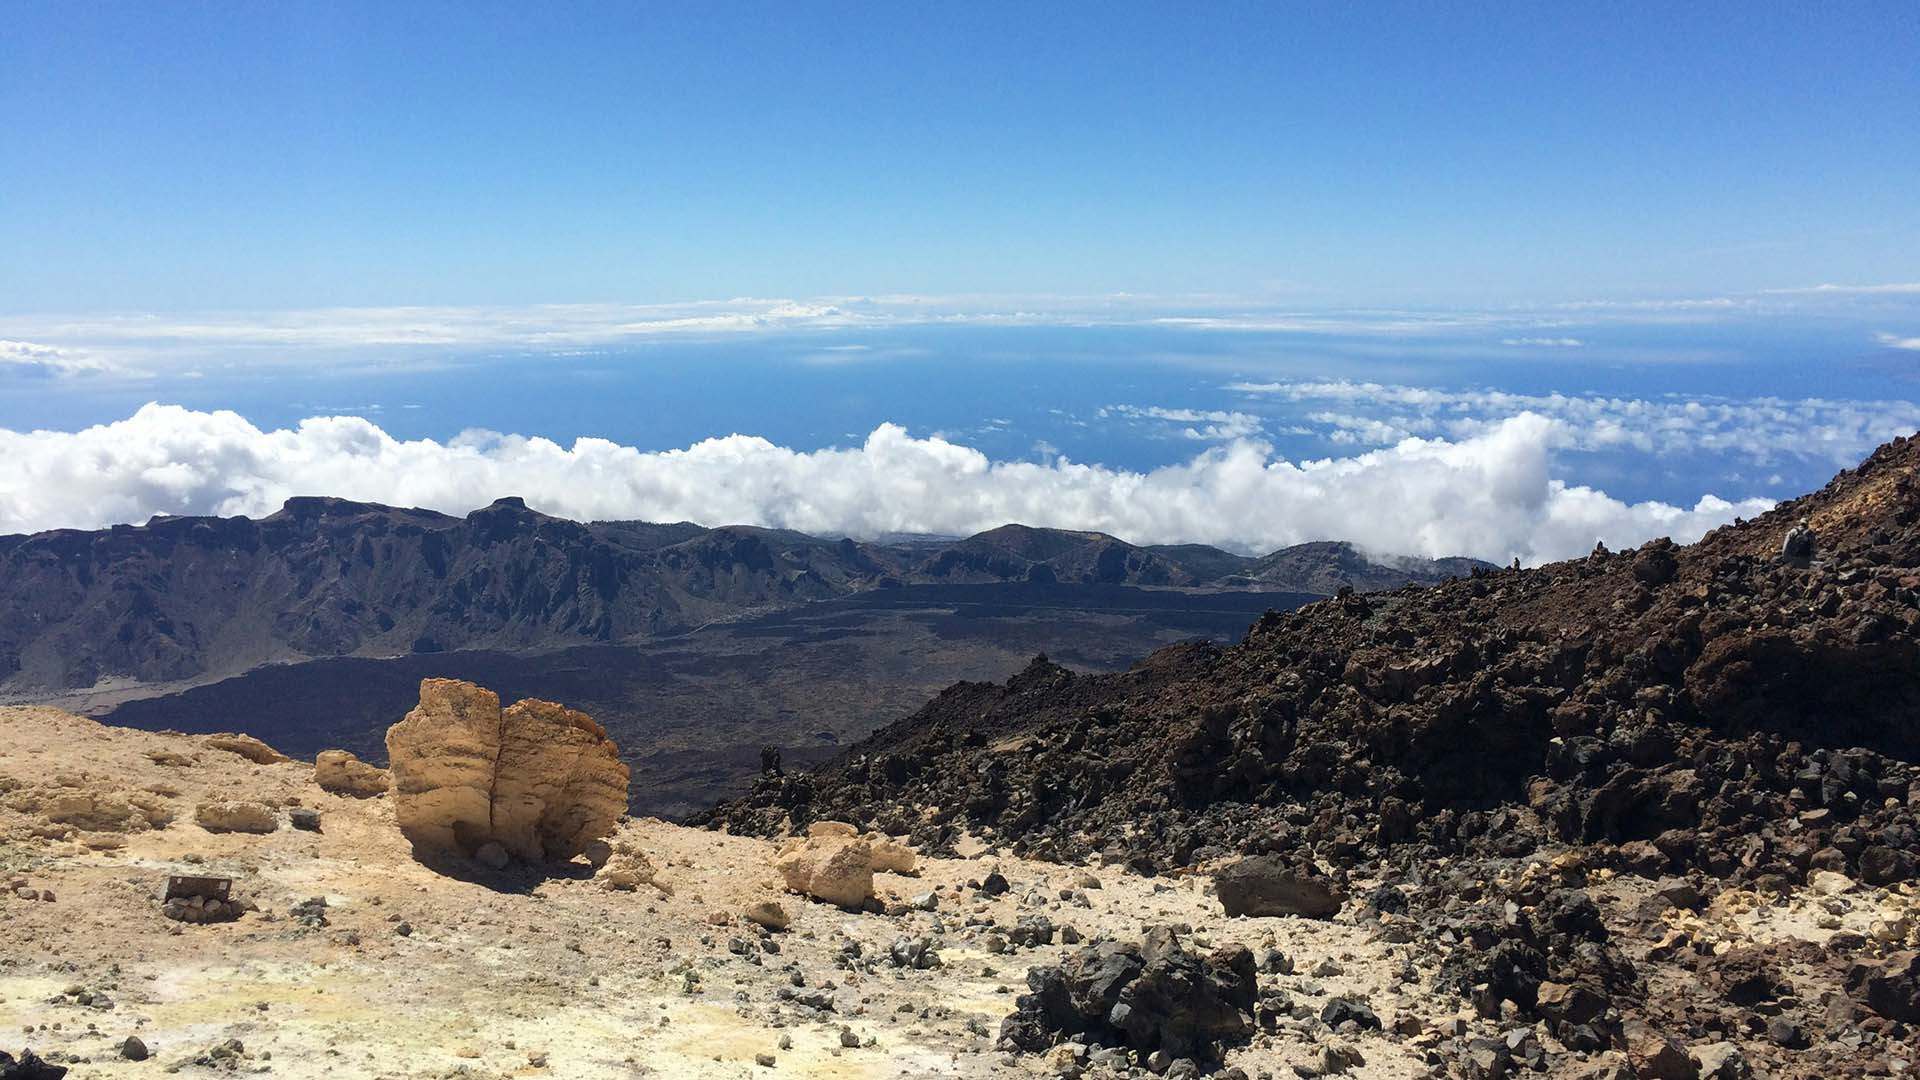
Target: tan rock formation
column 341, row 773
column 625, row 870
column 247, row 817
column 890, row 855
column 247, row 747
column 92, row 810
column 834, row 867
column 539, row 779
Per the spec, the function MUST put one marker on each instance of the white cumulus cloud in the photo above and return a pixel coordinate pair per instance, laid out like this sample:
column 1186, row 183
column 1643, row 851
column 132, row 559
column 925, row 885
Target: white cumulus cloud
column 1492, row 494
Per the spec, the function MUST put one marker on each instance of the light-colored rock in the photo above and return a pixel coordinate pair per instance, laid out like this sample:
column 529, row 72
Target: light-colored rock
column 769, row 914
column 598, row 853
column 92, row 811
column 341, row 773
column 540, row 779
column 1721, row 1061
column 890, row 855
column 492, row 855
column 1829, row 883
column 627, row 869
column 247, row 817
column 825, row 829
column 247, row 747
column 835, row 868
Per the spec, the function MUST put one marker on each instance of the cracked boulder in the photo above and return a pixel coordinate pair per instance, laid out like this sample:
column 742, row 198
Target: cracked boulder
column 540, row 780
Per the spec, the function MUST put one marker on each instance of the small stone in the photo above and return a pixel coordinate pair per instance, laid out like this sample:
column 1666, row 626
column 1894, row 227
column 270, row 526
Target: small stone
column 133, row 1049
column 768, row 914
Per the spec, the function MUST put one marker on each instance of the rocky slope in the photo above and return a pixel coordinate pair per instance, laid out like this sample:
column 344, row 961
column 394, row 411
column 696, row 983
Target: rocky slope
column 190, row 598
column 343, row 956
column 1732, row 725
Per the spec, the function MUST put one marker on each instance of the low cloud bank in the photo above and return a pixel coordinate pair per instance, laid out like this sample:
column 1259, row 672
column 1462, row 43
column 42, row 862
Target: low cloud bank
column 1491, row 494
column 1761, row 430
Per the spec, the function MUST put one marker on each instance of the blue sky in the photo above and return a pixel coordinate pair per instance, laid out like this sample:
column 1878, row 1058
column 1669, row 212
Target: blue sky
column 1496, row 280
column 297, row 155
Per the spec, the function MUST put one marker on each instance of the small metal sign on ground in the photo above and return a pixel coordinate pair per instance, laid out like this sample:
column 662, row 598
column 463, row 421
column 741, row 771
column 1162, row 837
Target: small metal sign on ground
column 186, row 888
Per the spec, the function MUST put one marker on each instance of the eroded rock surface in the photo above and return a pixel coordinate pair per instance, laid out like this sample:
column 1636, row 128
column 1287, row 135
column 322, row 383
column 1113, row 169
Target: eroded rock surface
column 539, row 779
column 834, row 867
column 341, row 773
column 247, row 747
column 246, row 817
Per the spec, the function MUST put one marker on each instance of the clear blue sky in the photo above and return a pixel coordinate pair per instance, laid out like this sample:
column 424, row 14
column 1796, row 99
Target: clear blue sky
column 190, row 156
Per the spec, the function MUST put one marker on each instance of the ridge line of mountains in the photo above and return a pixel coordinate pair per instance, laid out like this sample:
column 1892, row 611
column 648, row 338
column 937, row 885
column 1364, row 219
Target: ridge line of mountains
column 196, row 597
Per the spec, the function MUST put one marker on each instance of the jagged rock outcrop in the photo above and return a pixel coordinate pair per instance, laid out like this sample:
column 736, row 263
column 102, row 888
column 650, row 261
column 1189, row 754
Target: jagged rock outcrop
column 341, row 773
column 539, row 779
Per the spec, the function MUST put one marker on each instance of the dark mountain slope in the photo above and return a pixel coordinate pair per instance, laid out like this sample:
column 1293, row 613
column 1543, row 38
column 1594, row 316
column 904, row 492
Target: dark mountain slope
column 1550, row 785
column 191, row 598
column 1713, row 690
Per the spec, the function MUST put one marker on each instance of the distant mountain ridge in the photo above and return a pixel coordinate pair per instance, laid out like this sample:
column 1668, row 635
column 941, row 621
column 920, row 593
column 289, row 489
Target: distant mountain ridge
column 190, row 597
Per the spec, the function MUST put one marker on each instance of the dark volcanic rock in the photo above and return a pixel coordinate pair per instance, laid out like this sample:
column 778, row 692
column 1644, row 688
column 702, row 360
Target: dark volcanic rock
column 1676, row 712
column 1708, row 717
column 1264, row 885
column 1152, row 996
column 1890, row 988
column 29, row 1066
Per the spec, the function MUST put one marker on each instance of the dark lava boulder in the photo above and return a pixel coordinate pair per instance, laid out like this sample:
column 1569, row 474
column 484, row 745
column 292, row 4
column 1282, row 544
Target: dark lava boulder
column 29, row 1066
column 1155, row 995
column 1265, row 885
column 1890, row 988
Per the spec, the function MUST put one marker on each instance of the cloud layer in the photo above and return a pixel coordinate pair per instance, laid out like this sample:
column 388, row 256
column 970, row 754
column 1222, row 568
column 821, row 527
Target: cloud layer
column 1492, row 494
column 1760, row 430
column 155, row 343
